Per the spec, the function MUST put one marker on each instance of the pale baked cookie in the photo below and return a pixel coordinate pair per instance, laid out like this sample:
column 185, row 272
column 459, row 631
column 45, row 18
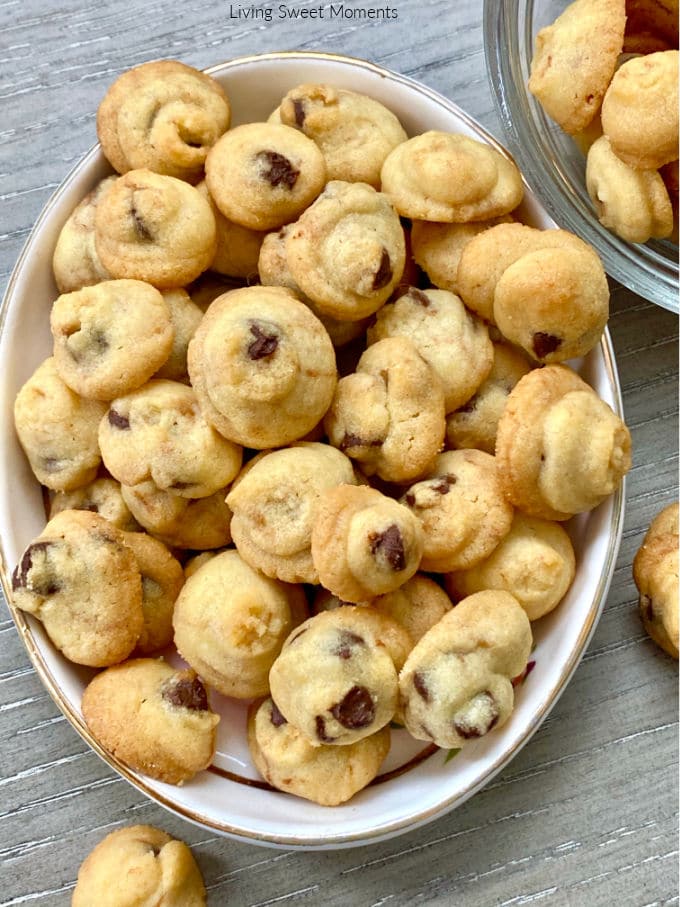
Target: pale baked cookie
column 640, row 111
column 102, row 496
column 79, row 578
column 238, row 248
column 336, row 677
column 196, row 562
column 475, row 423
column 164, row 116
column 199, row 524
column 450, row 339
column 154, row 718
column 262, row 366
column 450, row 178
column 655, row 570
column 185, row 316
column 354, row 132
column 136, row 865
column 58, row 430
column 158, row 433
column 560, row 449
column 110, row 338
column 389, row 414
column 274, row 505
column 462, row 509
column 437, row 247
column 75, row 262
column 263, row 175
column 363, row 543
column 231, row 621
column 534, row 562
column 155, row 228
column 417, row 605
column 162, row 579
column 328, row 775
column 346, row 252
column 574, row 61
column 456, row 685
column 634, row 204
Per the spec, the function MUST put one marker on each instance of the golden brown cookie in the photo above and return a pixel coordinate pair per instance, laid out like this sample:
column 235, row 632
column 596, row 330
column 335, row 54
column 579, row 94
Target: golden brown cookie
column 75, row 262
column 238, row 247
column 655, row 570
column 102, row 496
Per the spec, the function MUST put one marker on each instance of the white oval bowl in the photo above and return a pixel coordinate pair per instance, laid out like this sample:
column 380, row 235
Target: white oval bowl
column 414, row 787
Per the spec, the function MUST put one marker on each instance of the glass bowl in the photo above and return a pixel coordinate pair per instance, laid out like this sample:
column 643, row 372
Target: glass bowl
column 550, row 160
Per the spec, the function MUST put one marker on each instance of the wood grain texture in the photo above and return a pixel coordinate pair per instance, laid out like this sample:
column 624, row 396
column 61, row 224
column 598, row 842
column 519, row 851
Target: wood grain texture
column 587, row 812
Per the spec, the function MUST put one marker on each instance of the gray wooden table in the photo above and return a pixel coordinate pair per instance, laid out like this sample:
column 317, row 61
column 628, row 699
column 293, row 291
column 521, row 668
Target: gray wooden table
column 586, row 814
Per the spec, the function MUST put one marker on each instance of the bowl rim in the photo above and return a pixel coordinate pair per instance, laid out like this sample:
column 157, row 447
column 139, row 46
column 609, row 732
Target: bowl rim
column 549, row 699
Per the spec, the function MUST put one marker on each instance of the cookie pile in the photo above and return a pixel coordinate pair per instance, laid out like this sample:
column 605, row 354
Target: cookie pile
column 607, row 72
column 298, row 366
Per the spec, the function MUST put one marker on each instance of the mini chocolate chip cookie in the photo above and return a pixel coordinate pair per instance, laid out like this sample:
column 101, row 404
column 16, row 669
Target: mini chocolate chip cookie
column 264, row 175
column 155, row 228
column 456, row 685
column 328, row 775
column 58, row 430
column 363, row 543
column 102, row 496
column 238, row 248
column 81, row 580
column 139, row 864
column 110, row 338
column 185, row 316
column 231, row 621
column 154, row 718
column 263, row 367
column 417, row 605
column 75, row 262
column 336, row 677
column 158, row 433
column 655, row 570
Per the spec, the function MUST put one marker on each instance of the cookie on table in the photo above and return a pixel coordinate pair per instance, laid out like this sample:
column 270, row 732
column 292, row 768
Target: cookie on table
column 560, row 449
column 263, row 367
column 75, row 262
column 231, row 622
column 354, row 132
column 110, row 338
column 274, row 505
column 155, row 228
column 154, row 718
column 640, row 111
column 264, row 175
column 475, row 423
column 633, row 203
column 655, row 570
column 238, row 247
column 389, row 415
column 462, row 509
column 162, row 579
column 450, row 339
column 574, row 61
column 158, row 433
column 336, row 677
column 450, row 178
column 139, row 864
column 347, row 251
column 57, row 430
column 328, row 775
column 363, row 543
column 179, row 522
column 456, row 685
column 102, row 496
column 81, row 580
column 535, row 563
column 164, row 116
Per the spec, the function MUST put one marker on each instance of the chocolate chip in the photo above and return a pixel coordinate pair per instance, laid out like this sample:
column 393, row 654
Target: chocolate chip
column 421, row 687
column 356, row 709
column 384, row 273
column 277, row 169
column 543, row 344
column 47, row 585
column 141, row 229
column 299, row 109
column 467, row 730
column 350, row 440
column 186, row 692
column 347, row 642
column 264, row 344
column 321, row 730
column 118, row 421
column 390, row 545
column 410, row 499
column 275, row 716
column 418, row 296
column 442, row 484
